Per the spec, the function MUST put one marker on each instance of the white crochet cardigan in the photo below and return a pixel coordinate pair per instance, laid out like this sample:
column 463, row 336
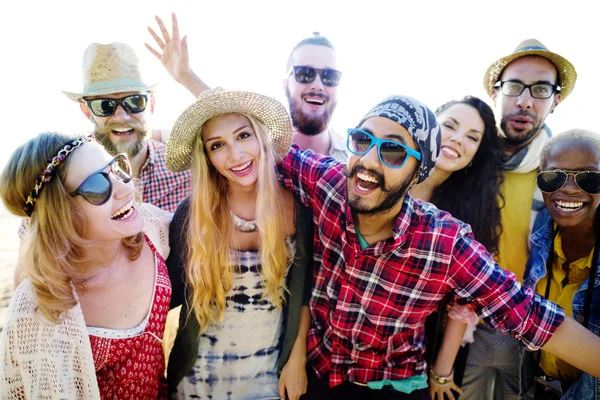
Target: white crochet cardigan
column 43, row 360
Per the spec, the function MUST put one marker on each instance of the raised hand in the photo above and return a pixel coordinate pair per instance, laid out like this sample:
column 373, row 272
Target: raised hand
column 173, row 52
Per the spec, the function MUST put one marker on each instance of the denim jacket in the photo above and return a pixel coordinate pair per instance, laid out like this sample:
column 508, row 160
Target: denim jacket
column 540, row 241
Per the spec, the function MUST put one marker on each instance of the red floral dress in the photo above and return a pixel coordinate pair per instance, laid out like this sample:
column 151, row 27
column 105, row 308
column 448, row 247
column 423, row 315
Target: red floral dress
column 130, row 363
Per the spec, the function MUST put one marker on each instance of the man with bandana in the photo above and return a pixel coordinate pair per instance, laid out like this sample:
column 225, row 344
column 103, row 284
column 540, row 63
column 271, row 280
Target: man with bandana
column 526, row 86
column 384, row 261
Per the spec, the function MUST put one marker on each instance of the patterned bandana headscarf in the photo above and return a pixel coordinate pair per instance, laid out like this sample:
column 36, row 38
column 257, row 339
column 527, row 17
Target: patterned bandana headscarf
column 419, row 121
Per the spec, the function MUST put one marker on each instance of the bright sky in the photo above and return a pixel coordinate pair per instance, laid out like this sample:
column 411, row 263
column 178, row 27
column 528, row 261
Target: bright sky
column 434, row 51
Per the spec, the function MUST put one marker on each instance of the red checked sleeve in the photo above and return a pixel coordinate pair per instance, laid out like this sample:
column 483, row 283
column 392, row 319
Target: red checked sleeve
column 497, row 296
column 306, row 173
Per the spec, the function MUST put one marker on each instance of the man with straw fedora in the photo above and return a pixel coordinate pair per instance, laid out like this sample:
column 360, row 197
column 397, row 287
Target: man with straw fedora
column 120, row 104
column 525, row 86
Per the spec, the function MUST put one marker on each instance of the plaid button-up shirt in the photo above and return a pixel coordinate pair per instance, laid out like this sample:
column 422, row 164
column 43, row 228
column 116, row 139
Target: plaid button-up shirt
column 368, row 307
column 160, row 186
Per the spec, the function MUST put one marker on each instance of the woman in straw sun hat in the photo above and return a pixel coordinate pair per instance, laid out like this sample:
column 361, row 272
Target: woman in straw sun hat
column 240, row 250
column 87, row 321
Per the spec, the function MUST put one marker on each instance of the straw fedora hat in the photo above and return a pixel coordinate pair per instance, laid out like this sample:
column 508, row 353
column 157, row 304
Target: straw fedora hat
column 268, row 111
column 110, row 68
column 532, row 47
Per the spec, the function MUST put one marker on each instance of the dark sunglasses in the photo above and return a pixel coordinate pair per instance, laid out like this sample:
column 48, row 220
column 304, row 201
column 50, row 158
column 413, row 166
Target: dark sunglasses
column 304, row 74
column 97, row 188
column 391, row 153
column 132, row 104
column 551, row 181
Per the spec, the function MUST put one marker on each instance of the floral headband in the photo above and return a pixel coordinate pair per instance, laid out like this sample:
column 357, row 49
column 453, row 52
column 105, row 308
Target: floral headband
column 46, row 176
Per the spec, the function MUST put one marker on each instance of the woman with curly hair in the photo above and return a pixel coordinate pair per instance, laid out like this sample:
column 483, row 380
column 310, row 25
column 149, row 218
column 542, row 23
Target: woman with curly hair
column 466, row 183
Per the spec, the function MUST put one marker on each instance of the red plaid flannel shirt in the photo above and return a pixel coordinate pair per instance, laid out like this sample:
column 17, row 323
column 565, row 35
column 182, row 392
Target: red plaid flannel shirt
column 368, row 307
column 160, row 186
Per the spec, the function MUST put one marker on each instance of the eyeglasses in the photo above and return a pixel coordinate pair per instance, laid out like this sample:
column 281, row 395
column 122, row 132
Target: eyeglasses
column 97, row 188
column 391, row 153
column 537, row 90
column 304, row 74
column 133, row 104
column 551, row 181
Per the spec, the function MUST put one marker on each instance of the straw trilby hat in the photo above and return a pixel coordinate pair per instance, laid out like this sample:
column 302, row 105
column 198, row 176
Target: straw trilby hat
column 533, row 47
column 110, row 68
column 268, row 111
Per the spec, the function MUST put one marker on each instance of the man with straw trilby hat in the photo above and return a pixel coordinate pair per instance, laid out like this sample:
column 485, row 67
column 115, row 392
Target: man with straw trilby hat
column 120, row 104
column 525, row 86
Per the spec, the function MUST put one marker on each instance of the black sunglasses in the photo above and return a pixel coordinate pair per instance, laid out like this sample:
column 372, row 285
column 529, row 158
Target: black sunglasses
column 97, row 188
column 132, row 104
column 551, row 181
column 304, row 74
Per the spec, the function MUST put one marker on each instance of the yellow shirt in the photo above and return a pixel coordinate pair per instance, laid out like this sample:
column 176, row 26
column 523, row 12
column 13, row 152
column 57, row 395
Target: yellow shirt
column 579, row 271
column 513, row 250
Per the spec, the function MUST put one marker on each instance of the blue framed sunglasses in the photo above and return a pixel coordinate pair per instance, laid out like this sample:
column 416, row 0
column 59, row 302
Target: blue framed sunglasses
column 392, row 154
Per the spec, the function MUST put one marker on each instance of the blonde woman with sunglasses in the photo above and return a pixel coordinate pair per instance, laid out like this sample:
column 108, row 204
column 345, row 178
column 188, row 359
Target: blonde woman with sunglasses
column 87, row 321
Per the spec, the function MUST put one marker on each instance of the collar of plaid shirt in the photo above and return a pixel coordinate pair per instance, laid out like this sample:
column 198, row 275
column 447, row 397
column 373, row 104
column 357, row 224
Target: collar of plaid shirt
column 368, row 307
column 160, row 186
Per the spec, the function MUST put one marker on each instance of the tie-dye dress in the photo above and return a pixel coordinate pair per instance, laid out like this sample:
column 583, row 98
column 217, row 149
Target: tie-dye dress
column 238, row 358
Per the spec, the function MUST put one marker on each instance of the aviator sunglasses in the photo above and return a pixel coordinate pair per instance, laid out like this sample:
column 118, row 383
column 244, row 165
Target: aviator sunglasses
column 132, row 104
column 305, row 74
column 391, row 153
column 97, row 188
column 551, row 181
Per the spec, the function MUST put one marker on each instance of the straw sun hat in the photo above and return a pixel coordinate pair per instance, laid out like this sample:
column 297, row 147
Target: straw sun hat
column 532, row 47
column 268, row 111
column 110, row 68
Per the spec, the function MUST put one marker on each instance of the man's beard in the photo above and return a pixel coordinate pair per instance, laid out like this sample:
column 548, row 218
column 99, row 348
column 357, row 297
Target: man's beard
column 393, row 194
column 307, row 124
column 104, row 137
column 518, row 141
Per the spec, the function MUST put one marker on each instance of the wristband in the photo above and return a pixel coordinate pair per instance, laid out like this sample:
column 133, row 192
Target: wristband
column 441, row 380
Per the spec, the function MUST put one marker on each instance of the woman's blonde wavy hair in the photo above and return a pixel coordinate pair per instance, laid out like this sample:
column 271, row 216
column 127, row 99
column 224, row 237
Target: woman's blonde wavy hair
column 209, row 239
column 54, row 244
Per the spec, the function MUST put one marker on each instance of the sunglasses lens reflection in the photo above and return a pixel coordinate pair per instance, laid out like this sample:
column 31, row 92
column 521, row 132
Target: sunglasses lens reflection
column 103, row 107
column 330, row 77
column 305, row 74
column 96, row 189
column 134, row 104
column 551, row 181
column 392, row 154
column 359, row 142
column 589, row 182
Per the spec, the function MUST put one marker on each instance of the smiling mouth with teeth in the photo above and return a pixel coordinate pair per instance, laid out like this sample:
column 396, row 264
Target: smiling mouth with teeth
column 450, row 151
column 569, row 206
column 124, row 212
column 242, row 168
column 366, row 182
column 122, row 131
column 315, row 101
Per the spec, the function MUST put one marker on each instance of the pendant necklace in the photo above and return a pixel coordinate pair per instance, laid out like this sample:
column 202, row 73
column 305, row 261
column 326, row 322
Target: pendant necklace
column 242, row 225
